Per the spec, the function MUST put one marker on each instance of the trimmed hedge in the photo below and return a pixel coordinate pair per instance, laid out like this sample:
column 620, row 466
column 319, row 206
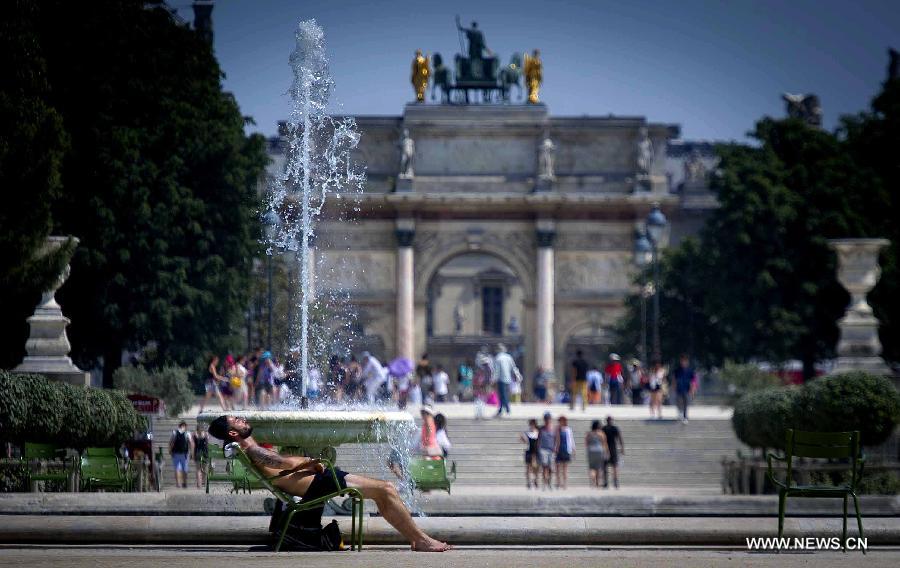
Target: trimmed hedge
column 838, row 403
column 36, row 409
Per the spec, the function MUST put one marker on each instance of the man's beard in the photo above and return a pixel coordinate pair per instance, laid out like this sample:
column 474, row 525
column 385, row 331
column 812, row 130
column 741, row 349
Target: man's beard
column 246, row 433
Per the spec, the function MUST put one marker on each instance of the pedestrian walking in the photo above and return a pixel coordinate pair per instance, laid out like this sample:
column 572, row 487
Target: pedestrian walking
column 180, row 447
column 655, row 386
column 540, row 385
column 464, row 376
column 616, row 447
column 200, row 438
column 684, row 383
column 578, row 380
column 615, row 378
column 597, row 452
column 565, row 452
column 547, row 450
column 637, row 380
column 482, row 379
column 531, row 438
column 441, row 383
column 505, row 372
column 594, row 385
column 213, row 382
column 374, row 377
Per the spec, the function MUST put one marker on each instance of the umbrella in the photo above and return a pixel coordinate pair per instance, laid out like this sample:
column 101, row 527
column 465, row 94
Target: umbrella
column 400, row 366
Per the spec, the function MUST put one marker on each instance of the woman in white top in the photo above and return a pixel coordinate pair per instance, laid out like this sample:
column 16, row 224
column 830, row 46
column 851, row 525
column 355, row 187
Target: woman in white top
column 657, row 377
column 440, row 422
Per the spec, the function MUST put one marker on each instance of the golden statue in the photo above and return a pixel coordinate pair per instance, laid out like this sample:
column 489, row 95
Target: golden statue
column 534, row 75
column 420, row 73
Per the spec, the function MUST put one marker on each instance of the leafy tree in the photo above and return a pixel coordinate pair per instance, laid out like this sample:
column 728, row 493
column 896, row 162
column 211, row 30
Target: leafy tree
column 31, row 150
column 159, row 182
column 761, row 282
column 872, row 139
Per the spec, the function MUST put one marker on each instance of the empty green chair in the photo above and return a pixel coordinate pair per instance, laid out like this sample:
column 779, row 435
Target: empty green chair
column 294, row 505
column 825, row 445
column 103, row 472
column 217, row 467
column 46, row 462
column 428, row 474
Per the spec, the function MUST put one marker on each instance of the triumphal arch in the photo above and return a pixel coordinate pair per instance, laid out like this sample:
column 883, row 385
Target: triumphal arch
column 486, row 219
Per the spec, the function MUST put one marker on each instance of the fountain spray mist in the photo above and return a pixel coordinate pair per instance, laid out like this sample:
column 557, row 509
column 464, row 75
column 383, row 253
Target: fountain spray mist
column 318, row 164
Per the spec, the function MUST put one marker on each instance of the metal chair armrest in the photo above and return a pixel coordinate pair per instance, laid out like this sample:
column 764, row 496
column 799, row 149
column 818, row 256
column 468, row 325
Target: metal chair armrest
column 769, row 457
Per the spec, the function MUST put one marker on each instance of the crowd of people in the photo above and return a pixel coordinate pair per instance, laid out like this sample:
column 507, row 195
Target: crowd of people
column 488, row 379
column 632, row 384
column 551, row 448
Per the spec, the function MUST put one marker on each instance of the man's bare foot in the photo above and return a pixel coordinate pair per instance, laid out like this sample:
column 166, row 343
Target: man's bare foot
column 430, row 545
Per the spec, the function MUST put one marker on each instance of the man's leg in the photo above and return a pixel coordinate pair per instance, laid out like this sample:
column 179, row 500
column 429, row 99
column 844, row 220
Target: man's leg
column 394, row 512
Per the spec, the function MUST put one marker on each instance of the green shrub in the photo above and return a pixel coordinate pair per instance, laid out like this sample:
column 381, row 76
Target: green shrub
column 169, row 383
column 839, row 403
column 853, row 401
column 761, row 418
column 744, row 379
column 871, row 483
column 36, row 409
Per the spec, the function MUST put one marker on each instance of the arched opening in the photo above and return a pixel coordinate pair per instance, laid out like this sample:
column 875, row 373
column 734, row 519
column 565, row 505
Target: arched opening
column 593, row 340
column 473, row 299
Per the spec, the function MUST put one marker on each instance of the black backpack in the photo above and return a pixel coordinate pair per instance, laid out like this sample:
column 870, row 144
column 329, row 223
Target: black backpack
column 181, row 444
column 306, row 532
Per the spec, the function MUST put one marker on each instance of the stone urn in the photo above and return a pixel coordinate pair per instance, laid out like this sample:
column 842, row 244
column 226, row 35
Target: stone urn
column 858, row 271
column 48, row 346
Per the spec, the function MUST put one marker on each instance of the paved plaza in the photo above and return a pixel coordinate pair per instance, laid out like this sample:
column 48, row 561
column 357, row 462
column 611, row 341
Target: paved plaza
column 399, row 557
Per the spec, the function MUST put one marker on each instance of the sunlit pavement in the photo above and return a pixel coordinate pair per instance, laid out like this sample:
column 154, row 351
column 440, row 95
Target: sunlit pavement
column 399, row 557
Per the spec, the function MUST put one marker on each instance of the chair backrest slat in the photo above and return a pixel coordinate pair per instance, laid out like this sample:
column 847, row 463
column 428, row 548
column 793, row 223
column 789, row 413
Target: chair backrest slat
column 244, row 460
column 823, row 438
column 833, row 452
column 42, row 451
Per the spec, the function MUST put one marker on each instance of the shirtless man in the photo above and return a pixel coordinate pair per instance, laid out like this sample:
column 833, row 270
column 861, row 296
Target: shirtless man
column 307, row 477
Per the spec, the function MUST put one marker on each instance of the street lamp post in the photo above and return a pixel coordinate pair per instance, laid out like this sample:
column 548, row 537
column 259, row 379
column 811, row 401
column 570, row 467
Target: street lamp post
column 643, row 252
column 655, row 226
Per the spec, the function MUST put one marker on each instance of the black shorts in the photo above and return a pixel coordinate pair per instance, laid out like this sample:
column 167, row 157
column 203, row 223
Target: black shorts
column 613, row 459
column 530, row 458
column 563, row 457
column 323, row 484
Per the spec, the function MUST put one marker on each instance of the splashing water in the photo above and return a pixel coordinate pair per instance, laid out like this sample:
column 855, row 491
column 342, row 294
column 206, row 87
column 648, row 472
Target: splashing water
column 318, row 164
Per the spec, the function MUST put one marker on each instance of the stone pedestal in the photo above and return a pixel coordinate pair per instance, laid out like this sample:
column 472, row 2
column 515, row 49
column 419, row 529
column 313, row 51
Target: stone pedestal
column 859, row 348
column 47, row 345
column 404, row 183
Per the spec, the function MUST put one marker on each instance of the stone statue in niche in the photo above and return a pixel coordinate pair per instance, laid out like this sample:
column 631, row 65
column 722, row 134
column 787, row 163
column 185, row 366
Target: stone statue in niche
column 459, row 317
column 694, row 168
column 546, row 158
column 407, row 151
column 513, row 326
column 644, row 150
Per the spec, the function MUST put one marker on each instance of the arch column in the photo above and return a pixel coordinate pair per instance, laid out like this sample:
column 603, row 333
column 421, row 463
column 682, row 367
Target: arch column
column 405, row 316
column 544, row 300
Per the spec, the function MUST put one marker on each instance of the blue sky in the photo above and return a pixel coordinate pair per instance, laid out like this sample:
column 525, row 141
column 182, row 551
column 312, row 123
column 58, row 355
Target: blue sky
column 712, row 66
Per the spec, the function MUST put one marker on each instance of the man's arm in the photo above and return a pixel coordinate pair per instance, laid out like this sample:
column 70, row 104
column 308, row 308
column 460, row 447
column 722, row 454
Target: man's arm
column 621, row 442
column 267, row 458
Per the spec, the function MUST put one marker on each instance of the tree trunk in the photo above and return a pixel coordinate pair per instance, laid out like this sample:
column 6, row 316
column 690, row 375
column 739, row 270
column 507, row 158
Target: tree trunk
column 809, row 367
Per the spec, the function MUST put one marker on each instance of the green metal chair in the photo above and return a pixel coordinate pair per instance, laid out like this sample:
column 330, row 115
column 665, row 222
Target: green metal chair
column 229, row 470
column 428, row 474
column 100, row 452
column 825, row 445
column 294, row 504
column 103, row 472
column 46, row 462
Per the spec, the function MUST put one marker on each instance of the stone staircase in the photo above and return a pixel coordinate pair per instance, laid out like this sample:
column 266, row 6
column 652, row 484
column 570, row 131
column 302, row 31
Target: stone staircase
column 489, row 453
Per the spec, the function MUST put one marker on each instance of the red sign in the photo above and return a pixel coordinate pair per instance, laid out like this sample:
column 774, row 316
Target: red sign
column 145, row 404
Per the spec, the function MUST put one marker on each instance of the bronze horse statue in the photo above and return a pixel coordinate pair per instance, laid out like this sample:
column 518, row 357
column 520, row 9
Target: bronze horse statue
column 510, row 76
column 440, row 78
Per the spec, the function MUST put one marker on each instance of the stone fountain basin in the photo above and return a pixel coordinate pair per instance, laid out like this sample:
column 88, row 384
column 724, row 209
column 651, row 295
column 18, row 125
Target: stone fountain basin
column 314, row 430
